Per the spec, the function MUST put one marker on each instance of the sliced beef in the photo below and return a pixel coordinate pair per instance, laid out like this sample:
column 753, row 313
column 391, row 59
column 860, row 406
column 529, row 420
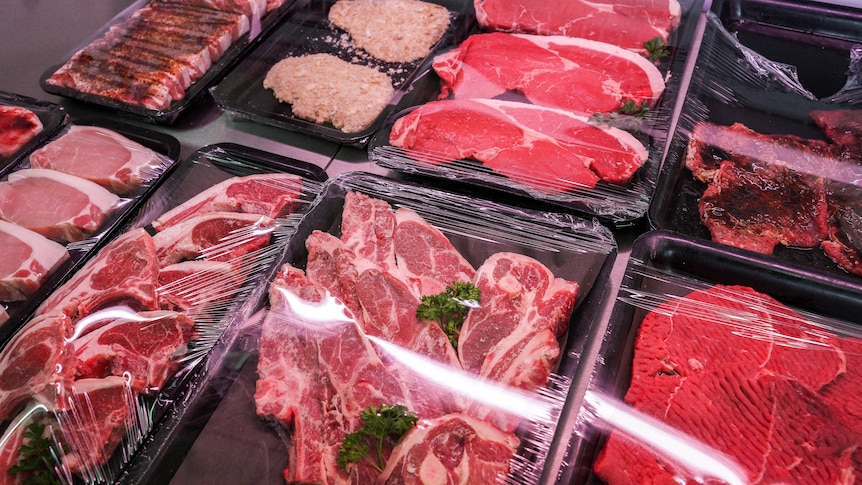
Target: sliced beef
column 59, row 206
column 426, row 257
column 548, row 150
column 271, row 195
column 124, row 272
column 101, row 156
column 28, row 258
column 367, row 228
column 18, row 126
column 578, row 75
column 217, row 236
column 456, row 449
column 332, row 265
column 625, row 23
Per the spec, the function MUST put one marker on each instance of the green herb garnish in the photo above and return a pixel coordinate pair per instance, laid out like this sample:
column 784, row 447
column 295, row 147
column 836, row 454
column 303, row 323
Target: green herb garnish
column 37, row 457
column 656, row 49
column 629, row 116
column 379, row 425
column 449, row 308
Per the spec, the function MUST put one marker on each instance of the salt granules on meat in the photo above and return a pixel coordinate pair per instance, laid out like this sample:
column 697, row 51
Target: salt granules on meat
column 748, row 377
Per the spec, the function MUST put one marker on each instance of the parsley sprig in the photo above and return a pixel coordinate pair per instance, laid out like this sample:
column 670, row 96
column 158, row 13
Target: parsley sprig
column 379, row 426
column 449, row 308
column 656, row 49
column 37, row 457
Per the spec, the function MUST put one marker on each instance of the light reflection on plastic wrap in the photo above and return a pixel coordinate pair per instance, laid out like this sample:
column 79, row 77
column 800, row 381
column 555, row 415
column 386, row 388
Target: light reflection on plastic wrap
column 97, row 319
column 703, row 462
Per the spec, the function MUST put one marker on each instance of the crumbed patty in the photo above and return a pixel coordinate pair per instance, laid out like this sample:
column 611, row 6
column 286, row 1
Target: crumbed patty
column 392, row 30
column 323, row 88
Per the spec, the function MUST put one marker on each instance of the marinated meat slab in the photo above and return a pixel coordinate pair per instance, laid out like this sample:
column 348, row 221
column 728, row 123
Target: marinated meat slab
column 316, row 377
column 220, row 236
column 746, row 376
column 17, row 127
column 150, row 59
column 28, row 258
column 59, row 206
column 548, row 150
column 456, row 449
column 36, row 359
column 245, row 7
column 272, row 195
column 625, row 23
column 578, row 75
column 101, row 156
column 144, row 351
column 124, row 272
column 842, row 126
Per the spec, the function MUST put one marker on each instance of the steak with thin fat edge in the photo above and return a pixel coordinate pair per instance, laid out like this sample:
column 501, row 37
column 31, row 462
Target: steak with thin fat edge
column 217, row 236
column 28, row 259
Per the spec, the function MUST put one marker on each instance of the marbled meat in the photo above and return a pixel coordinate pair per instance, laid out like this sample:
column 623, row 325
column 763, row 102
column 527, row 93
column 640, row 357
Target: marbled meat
column 17, row 127
column 28, row 259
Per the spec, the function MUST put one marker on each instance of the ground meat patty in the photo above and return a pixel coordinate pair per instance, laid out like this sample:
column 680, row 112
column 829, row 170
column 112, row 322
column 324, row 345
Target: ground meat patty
column 323, row 88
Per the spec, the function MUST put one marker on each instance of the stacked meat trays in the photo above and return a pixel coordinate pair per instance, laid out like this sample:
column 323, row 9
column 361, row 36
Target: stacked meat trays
column 563, row 103
column 722, row 368
column 158, row 56
column 766, row 155
column 341, row 343
column 25, row 123
column 66, row 199
column 329, row 110
column 98, row 367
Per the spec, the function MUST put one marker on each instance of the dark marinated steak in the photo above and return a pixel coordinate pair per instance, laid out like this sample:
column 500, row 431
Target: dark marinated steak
column 218, row 236
column 144, row 350
column 17, row 127
column 746, row 376
column 101, row 156
column 28, row 258
column 577, row 75
column 426, row 258
column 124, row 272
column 455, row 449
column 842, row 126
column 549, row 150
column 626, row 23
column 271, row 195
column 59, row 206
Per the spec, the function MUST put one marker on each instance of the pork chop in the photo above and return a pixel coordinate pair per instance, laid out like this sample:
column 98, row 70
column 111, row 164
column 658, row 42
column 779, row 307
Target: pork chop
column 28, row 258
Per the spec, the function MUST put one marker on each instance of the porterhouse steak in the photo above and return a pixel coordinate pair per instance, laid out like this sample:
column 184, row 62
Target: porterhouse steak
column 28, row 258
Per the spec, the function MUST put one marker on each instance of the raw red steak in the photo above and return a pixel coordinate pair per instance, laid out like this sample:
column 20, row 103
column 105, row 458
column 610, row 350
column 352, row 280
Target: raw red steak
column 549, row 150
column 745, row 375
column 36, row 359
column 28, row 258
column 192, row 284
column 217, row 236
column 511, row 338
column 425, row 256
column 367, row 228
column 272, row 195
column 578, row 75
column 145, row 350
column 17, row 127
column 332, row 265
column 454, row 449
column 101, row 156
column 58, row 206
column 626, row 23
column 124, row 272
column 316, row 376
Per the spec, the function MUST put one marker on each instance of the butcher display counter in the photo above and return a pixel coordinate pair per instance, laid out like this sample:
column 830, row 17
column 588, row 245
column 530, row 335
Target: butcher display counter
column 620, row 264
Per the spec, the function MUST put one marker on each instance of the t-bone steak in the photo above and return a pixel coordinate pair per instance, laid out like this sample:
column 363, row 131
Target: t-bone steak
column 101, row 156
column 549, row 150
column 273, row 195
column 217, row 236
column 625, row 23
column 59, row 206
column 578, row 75
column 18, row 126
column 124, row 272
column 28, row 259
column 454, row 449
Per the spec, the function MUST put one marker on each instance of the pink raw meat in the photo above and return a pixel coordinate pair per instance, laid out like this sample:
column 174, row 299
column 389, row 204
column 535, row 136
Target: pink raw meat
column 18, row 126
column 367, row 227
column 272, row 195
column 218, row 236
column 195, row 283
column 58, row 206
column 101, row 156
column 28, row 258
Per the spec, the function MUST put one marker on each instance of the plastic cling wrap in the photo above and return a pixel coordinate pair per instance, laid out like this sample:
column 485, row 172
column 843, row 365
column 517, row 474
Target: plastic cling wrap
column 721, row 369
column 109, row 352
column 73, row 193
column 579, row 123
column 305, row 371
column 760, row 163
